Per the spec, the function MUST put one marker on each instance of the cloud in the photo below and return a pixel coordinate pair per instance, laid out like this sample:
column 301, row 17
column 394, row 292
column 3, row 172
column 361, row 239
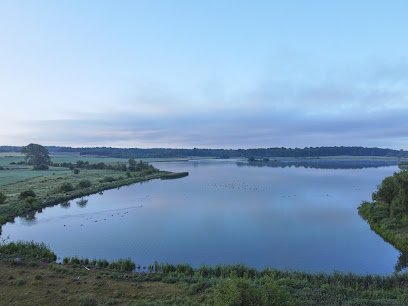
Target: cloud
column 367, row 106
column 227, row 129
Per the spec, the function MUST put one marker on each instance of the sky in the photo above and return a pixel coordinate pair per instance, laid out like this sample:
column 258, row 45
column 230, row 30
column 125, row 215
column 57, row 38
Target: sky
column 204, row 73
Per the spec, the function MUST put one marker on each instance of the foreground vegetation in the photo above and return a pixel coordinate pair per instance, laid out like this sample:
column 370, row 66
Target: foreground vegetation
column 388, row 213
column 29, row 276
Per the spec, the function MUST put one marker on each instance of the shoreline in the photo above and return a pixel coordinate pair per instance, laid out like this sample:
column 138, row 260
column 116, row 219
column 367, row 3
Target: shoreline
column 390, row 231
column 10, row 211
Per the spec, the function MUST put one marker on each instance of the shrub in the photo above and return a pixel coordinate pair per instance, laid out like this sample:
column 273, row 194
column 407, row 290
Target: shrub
column 38, row 277
column 108, row 179
column 84, row 184
column 88, row 300
column 26, row 194
column 2, row 198
column 30, row 200
column 76, row 171
column 65, row 187
column 19, row 282
column 41, row 167
column 240, row 291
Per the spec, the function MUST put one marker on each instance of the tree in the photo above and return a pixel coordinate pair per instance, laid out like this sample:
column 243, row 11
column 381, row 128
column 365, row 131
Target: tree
column 132, row 164
column 36, row 154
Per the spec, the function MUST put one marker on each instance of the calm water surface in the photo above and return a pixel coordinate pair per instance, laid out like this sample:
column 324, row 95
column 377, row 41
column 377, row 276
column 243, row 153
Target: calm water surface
column 296, row 218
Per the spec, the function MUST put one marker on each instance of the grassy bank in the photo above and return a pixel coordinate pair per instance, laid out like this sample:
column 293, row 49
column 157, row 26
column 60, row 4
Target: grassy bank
column 32, row 279
column 391, row 230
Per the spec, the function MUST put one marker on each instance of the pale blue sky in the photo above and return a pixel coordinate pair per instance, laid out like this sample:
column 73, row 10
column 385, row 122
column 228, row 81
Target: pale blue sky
column 204, row 73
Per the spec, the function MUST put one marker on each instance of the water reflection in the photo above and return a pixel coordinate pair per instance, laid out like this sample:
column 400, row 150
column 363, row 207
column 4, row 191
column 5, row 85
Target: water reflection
column 402, row 262
column 29, row 218
column 82, row 202
column 65, row 204
column 319, row 163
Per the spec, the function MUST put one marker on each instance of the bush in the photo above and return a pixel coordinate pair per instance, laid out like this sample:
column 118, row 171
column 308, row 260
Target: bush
column 88, row 300
column 84, row 184
column 27, row 193
column 30, row 200
column 240, row 291
column 2, row 198
column 108, row 179
column 19, row 282
column 65, row 187
column 76, row 171
column 41, row 167
column 237, row 291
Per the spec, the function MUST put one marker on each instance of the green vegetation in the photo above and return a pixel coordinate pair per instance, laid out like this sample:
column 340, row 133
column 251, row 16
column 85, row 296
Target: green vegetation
column 388, row 213
column 83, row 281
column 84, row 184
column 25, row 194
column 36, row 155
column 30, row 249
column 3, row 197
column 174, row 175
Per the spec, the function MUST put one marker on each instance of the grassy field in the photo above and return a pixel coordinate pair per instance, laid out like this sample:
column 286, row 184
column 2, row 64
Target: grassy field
column 8, row 177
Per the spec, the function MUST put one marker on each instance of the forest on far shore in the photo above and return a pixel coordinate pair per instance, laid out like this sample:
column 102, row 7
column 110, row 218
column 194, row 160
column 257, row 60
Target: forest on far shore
column 221, row 153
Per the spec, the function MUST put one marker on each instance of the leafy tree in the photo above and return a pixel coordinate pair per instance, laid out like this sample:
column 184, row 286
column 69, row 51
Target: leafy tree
column 84, row 184
column 132, row 164
column 27, row 193
column 36, row 154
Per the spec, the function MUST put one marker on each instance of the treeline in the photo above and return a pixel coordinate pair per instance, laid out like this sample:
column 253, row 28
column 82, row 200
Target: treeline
column 132, row 166
column 222, row 153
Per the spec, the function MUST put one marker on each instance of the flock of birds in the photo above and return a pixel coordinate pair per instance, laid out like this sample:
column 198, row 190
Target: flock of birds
column 236, row 186
column 120, row 215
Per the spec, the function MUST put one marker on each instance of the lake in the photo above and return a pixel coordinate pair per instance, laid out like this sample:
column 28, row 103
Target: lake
column 301, row 218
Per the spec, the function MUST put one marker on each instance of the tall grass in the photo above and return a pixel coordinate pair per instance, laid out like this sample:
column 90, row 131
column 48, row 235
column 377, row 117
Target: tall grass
column 122, row 265
column 29, row 249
